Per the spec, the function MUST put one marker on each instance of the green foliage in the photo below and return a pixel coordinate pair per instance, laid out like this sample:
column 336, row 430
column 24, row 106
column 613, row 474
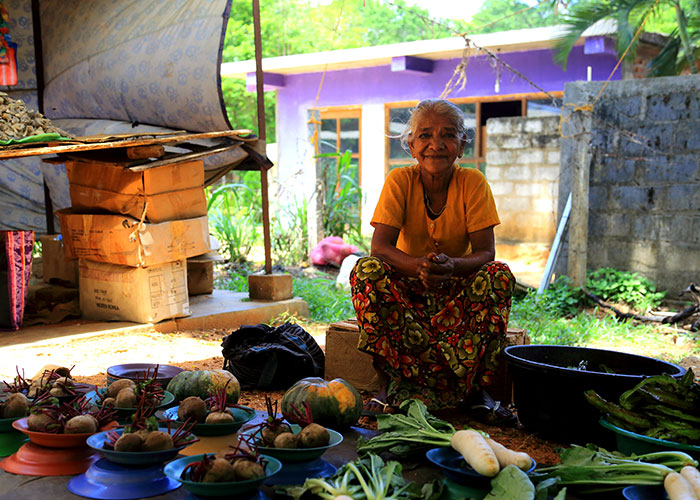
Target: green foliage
column 290, row 235
column 503, row 15
column 327, row 303
column 340, row 195
column 633, row 289
column 241, row 107
column 562, row 299
column 235, row 216
column 683, row 45
column 300, row 27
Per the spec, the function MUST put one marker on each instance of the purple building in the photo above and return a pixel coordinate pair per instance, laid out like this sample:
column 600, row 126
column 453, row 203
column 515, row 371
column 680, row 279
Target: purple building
column 357, row 98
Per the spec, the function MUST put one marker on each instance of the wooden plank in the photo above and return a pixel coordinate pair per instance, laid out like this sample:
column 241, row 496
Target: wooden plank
column 143, row 152
column 160, row 139
column 182, row 157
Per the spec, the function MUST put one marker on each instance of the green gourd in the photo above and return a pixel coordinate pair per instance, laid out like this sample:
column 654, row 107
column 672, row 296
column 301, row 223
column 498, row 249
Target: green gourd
column 203, row 383
column 335, row 404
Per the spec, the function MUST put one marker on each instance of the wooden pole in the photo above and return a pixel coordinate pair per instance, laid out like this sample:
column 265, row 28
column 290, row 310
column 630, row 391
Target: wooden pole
column 578, row 232
column 260, row 97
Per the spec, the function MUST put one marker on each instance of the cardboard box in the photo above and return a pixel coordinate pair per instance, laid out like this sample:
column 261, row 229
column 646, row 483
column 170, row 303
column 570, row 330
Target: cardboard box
column 345, row 361
column 123, row 240
column 139, row 294
column 161, row 207
column 56, row 267
column 502, row 387
column 168, row 192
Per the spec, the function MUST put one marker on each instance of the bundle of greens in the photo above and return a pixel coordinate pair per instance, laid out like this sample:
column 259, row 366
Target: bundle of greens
column 412, row 430
column 660, row 407
column 367, row 478
column 591, row 470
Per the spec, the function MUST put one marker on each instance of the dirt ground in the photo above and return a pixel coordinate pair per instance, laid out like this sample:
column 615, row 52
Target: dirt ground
column 90, row 358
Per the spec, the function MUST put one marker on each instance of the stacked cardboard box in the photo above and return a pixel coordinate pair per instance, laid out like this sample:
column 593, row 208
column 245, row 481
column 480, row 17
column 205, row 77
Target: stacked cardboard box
column 132, row 232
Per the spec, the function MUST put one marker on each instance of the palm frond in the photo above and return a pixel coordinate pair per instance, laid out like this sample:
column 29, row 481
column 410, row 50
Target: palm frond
column 627, row 13
column 664, row 63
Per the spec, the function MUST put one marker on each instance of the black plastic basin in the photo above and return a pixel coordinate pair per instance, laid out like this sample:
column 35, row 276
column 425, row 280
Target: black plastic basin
column 549, row 382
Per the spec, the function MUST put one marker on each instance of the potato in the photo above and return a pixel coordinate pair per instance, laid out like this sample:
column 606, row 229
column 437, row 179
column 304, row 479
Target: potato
column 158, row 441
column 192, row 407
column 286, row 440
column 64, row 381
column 268, row 434
column 82, row 424
column 15, row 406
column 128, row 442
column 245, row 469
column 38, row 422
column 17, row 395
column 219, row 417
column 34, row 389
column 314, row 436
column 220, row 471
column 58, row 391
column 109, row 402
column 126, row 398
column 116, row 386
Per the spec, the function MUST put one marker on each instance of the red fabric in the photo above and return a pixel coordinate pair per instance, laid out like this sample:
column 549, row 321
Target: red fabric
column 8, row 71
column 17, row 248
column 331, row 250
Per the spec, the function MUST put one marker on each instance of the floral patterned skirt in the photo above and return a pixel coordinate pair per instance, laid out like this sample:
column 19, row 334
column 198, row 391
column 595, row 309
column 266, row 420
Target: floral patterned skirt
column 437, row 347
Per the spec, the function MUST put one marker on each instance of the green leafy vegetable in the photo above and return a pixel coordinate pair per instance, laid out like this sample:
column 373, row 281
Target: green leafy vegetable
column 596, row 469
column 511, row 483
column 407, row 434
column 368, row 478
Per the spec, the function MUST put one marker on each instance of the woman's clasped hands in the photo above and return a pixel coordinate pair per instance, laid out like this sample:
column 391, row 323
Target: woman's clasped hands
column 435, row 271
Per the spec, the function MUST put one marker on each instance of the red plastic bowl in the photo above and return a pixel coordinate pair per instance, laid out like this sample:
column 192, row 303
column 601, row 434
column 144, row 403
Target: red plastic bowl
column 35, row 460
column 57, row 440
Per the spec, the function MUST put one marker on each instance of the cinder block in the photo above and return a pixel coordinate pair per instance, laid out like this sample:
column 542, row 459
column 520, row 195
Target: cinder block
column 270, row 286
column 533, row 126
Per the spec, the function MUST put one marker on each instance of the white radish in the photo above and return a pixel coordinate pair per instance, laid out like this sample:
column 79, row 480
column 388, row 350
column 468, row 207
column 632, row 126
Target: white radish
column 692, row 475
column 476, row 451
column 506, row 456
column 678, row 488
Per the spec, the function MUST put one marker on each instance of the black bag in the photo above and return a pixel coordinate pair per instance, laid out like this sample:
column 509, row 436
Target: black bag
column 265, row 357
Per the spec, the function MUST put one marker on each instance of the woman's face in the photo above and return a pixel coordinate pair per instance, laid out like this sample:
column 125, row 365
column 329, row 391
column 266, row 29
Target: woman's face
column 435, row 143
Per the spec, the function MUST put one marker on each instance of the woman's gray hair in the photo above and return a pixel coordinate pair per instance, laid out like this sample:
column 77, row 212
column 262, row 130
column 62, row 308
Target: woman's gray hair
column 437, row 106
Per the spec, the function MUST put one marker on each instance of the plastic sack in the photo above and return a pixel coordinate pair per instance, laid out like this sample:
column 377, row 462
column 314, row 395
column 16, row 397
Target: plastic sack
column 265, row 357
column 331, row 250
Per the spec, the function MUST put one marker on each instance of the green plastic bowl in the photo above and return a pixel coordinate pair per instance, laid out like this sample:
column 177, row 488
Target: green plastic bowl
column 297, row 454
column 629, row 443
column 226, row 489
column 240, row 417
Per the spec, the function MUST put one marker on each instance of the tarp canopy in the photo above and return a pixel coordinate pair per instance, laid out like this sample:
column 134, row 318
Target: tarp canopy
column 110, row 68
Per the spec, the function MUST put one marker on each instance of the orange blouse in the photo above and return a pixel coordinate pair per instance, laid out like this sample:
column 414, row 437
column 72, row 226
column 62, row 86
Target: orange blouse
column 470, row 207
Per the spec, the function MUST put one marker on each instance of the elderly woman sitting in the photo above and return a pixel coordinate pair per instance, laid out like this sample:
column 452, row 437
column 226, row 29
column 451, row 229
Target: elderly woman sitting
column 431, row 303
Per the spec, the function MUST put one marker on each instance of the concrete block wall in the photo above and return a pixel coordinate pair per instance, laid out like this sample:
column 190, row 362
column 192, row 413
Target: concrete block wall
column 522, row 167
column 644, row 184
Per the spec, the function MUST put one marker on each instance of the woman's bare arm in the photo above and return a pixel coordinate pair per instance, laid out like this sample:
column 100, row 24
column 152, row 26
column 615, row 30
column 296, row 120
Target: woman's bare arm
column 384, row 247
